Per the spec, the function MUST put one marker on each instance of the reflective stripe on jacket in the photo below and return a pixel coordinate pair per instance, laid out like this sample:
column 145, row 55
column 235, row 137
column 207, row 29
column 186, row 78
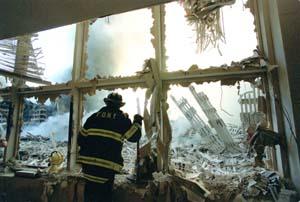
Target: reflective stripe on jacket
column 100, row 162
column 101, row 140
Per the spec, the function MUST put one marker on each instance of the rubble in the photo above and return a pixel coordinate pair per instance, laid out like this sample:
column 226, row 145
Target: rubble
column 210, row 140
column 265, row 184
column 31, row 137
column 165, row 188
column 223, row 176
column 287, row 195
column 214, row 119
column 216, row 175
column 192, row 160
column 36, row 149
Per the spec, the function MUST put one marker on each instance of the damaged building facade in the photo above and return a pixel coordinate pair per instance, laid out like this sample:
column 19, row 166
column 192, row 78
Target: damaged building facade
column 209, row 161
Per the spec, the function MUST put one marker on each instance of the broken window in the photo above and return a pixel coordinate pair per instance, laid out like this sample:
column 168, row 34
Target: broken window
column 56, row 51
column 119, row 44
column 183, row 51
column 207, row 119
column 45, row 130
column 212, row 119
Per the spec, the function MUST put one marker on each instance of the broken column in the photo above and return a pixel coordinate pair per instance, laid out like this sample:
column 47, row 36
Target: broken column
column 250, row 112
column 212, row 142
column 214, row 119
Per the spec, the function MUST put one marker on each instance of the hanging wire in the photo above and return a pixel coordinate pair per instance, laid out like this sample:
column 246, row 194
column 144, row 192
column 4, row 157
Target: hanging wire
column 205, row 16
column 221, row 100
column 287, row 117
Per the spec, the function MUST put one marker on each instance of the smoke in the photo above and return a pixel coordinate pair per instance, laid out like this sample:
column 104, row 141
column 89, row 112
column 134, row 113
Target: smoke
column 100, row 50
column 57, row 126
column 114, row 48
column 57, row 55
column 119, row 44
column 181, row 133
column 94, row 102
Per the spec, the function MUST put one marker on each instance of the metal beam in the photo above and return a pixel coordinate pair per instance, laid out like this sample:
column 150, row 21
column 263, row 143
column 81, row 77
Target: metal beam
column 24, row 77
column 158, row 31
column 206, row 75
column 19, row 17
column 158, row 42
column 79, row 68
column 178, row 77
column 86, row 85
column 12, row 142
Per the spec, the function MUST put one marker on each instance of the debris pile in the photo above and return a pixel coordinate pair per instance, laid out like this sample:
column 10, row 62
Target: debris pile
column 192, row 160
column 263, row 185
column 221, row 187
column 217, row 141
column 211, row 141
column 129, row 154
column 36, row 149
column 257, row 184
column 165, row 188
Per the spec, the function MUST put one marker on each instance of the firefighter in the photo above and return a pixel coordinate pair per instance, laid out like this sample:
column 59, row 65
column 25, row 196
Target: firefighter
column 100, row 141
column 260, row 139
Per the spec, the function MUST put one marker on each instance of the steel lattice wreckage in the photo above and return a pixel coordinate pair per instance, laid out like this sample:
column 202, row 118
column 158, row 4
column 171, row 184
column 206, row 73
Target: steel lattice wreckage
column 215, row 168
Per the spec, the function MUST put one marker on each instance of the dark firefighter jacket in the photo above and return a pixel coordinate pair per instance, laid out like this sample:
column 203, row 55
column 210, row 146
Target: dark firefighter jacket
column 101, row 140
column 264, row 137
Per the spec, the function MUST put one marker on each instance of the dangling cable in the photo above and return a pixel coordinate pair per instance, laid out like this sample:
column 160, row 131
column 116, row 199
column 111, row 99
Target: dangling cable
column 221, row 103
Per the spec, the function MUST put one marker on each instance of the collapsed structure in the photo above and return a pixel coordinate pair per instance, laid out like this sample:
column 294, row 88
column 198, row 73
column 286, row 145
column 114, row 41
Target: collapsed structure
column 193, row 167
column 210, row 140
column 252, row 107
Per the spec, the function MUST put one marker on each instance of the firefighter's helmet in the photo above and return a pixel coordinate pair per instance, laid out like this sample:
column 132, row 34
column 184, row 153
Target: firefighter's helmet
column 114, row 99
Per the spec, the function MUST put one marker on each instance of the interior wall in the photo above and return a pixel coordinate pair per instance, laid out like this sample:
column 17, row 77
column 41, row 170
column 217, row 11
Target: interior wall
column 285, row 27
column 290, row 27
